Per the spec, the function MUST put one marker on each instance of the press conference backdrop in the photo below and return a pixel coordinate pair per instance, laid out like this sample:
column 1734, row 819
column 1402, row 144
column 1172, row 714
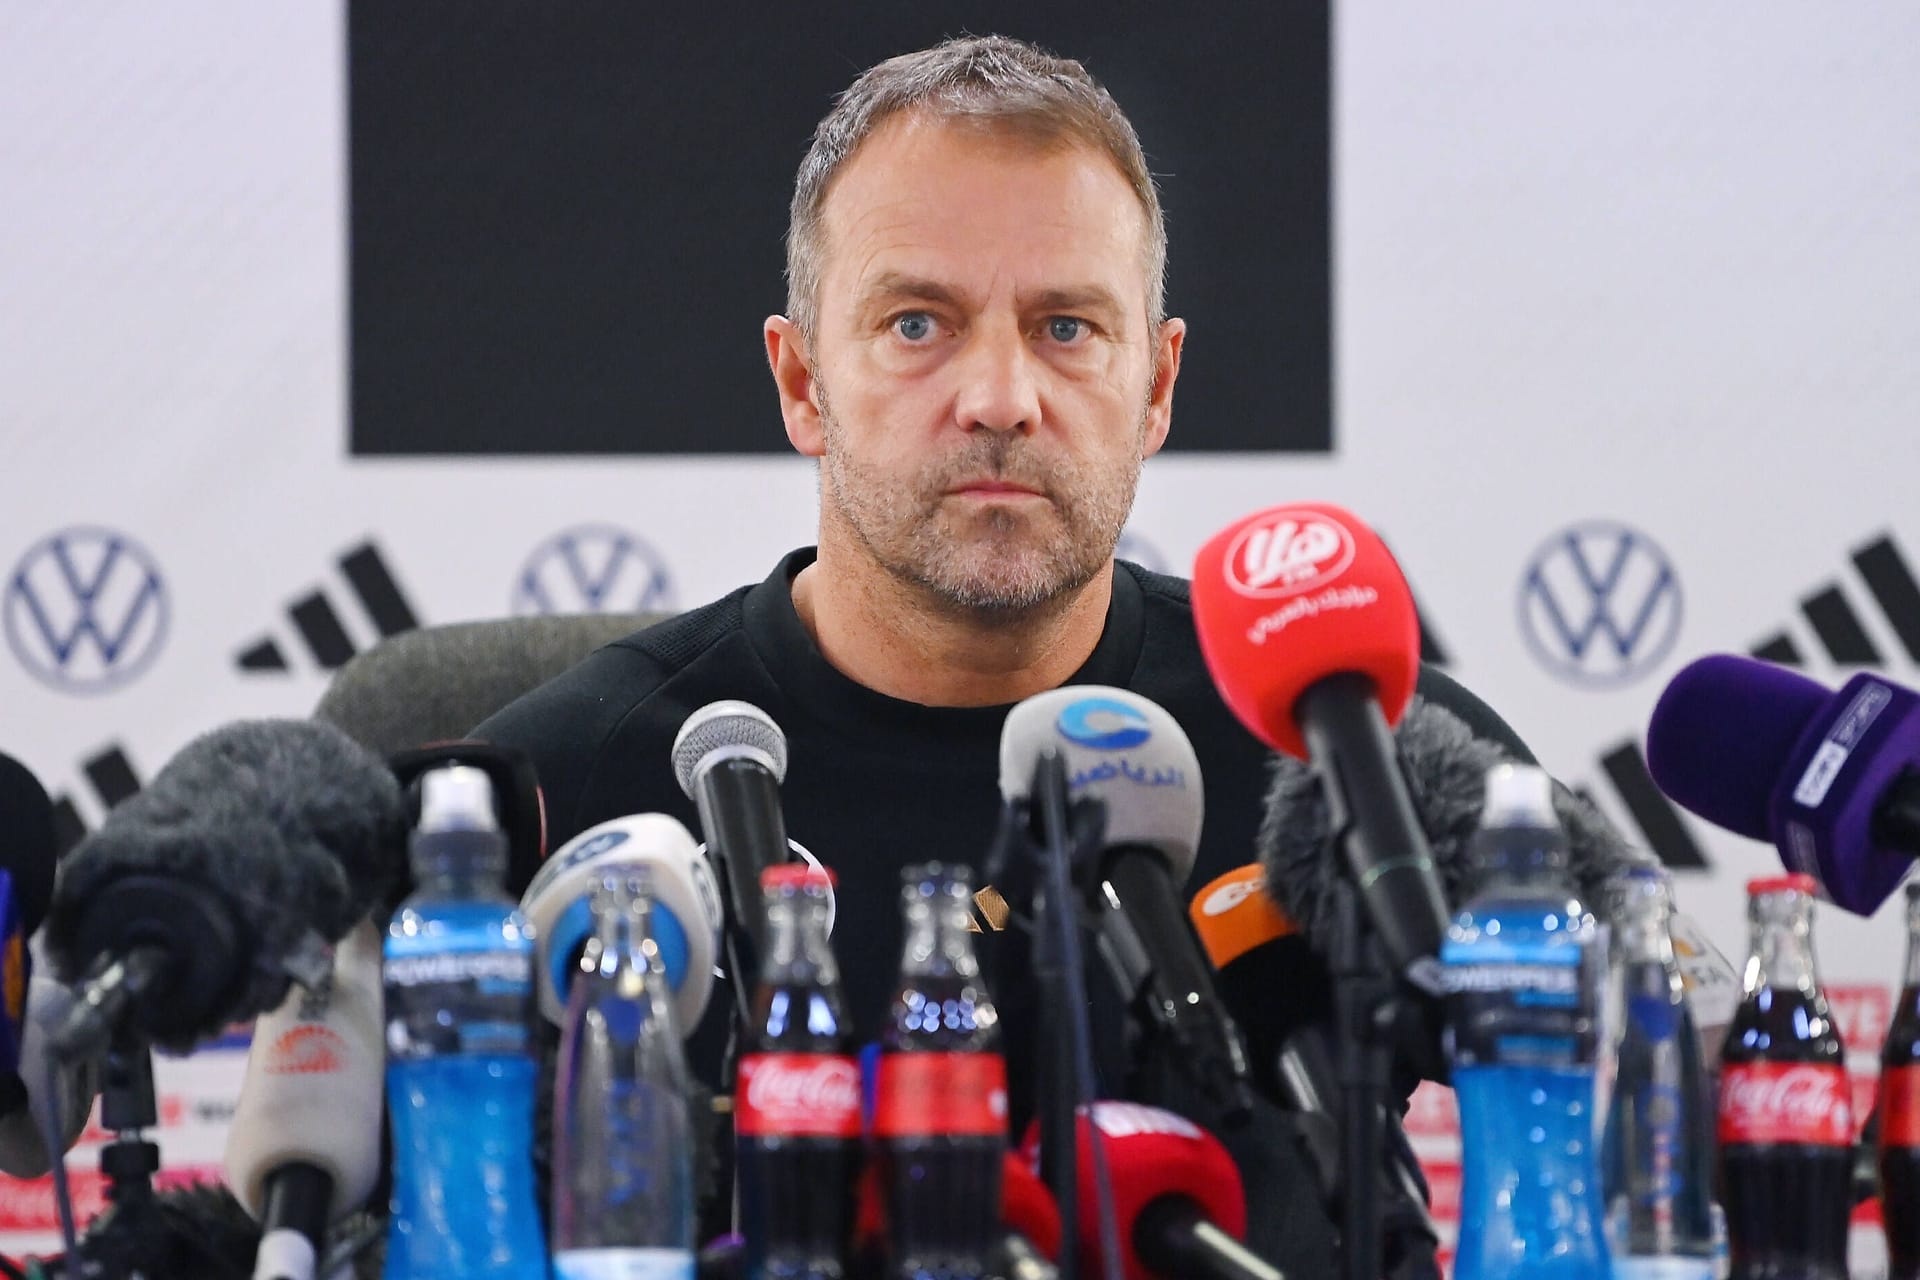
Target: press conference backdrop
column 326, row 322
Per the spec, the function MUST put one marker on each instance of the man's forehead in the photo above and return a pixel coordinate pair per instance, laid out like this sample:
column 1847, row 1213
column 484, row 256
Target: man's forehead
column 918, row 189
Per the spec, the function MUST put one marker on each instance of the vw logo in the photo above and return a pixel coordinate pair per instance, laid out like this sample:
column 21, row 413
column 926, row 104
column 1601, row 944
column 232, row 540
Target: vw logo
column 1103, row 724
column 593, row 568
column 85, row 610
column 1600, row 604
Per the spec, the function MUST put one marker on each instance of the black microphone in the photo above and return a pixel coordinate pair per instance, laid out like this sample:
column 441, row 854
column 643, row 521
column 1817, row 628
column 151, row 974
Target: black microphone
column 1127, row 752
column 201, row 898
column 1309, row 630
column 1445, row 768
column 730, row 758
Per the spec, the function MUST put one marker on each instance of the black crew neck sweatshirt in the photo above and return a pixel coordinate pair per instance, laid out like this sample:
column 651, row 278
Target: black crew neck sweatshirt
column 875, row 783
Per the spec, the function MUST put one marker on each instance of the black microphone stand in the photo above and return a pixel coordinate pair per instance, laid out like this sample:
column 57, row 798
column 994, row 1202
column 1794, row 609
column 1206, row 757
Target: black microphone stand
column 1363, row 1000
column 1370, row 1008
column 1051, row 835
column 123, row 1235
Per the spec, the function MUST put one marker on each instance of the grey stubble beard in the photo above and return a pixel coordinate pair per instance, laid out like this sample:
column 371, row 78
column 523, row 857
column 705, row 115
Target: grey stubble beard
column 1009, row 564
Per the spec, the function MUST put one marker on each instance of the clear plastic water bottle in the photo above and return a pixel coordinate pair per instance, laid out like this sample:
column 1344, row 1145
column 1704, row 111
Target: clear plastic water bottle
column 460, row 1077
column 1657, row 1159
column 623, row 1201
column 1525, row 966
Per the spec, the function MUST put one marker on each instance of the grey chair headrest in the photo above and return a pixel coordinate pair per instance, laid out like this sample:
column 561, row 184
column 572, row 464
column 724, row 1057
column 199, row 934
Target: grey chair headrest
column 437, row 683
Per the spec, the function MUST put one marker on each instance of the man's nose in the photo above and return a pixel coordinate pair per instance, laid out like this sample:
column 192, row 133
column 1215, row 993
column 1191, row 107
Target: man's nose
column 999, row 383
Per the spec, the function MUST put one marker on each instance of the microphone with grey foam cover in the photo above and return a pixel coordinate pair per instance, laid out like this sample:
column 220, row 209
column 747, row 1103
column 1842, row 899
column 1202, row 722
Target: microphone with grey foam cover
column 1445, row 766
column 201, row 898
column 1129, row 753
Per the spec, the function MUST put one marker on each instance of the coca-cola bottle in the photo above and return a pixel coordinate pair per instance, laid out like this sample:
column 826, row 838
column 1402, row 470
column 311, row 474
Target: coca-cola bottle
column 1900, row 1114
column 796, row 1117
column 1785, row 1114
column 940, row 1110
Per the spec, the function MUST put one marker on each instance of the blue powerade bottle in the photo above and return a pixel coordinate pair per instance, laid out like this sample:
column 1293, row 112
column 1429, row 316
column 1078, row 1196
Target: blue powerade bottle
column 460, row 1075
column 1525, row 967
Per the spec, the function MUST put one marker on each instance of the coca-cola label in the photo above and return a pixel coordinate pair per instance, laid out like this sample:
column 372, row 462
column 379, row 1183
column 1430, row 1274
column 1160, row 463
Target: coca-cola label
column 941, row 1095
column 1769, row 1103
column 797, row 1095
column 1900, row 1107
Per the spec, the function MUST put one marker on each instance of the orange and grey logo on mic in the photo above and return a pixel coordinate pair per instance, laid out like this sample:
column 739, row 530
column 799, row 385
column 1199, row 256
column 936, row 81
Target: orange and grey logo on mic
column 1233, row 915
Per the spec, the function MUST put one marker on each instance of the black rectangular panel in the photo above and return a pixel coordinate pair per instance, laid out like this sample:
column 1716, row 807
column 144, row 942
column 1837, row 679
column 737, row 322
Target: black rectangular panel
column 567, row 220
column 1780, row 649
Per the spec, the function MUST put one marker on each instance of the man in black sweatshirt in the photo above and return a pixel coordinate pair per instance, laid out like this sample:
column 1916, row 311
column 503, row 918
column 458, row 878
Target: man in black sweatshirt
column 976, row 351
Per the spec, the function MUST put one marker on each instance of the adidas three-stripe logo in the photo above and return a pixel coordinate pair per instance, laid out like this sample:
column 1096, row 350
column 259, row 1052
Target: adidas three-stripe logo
column 112, row 777
column 319, row 626
column 1839, row 630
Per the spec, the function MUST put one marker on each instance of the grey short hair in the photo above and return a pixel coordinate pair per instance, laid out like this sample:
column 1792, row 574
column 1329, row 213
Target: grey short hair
column 993, row 82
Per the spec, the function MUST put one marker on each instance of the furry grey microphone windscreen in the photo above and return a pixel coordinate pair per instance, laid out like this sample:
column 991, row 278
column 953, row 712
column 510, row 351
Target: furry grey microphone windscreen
column 289, row 823
column 1445, row 765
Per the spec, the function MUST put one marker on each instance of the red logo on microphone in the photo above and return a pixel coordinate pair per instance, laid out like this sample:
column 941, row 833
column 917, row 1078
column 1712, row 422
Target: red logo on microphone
column 1778, row 1102
column 307, row 1050
column 1289, row 551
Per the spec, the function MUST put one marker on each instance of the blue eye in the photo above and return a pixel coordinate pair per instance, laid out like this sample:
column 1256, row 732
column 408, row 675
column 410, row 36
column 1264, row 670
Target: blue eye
column 1066, row 328
column 914, row 326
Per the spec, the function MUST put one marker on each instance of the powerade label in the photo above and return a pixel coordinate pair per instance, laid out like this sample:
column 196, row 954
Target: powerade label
column 1900, row 1107
column 458, row 1002
column 1521, row 1003
column 941, row 1095
column 623, row 1264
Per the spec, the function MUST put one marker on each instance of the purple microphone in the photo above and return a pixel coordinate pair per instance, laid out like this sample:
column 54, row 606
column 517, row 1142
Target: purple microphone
column 1832, row 780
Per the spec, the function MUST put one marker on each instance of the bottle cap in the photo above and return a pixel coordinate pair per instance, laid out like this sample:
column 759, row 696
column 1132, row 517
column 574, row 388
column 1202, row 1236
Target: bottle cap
column 797, row 875
column 457, row 798
column 1518, row 795
column 1797, row 883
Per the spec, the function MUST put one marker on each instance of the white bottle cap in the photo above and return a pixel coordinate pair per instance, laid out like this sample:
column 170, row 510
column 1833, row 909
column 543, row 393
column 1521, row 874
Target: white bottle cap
column 457, row 798
column 1518, row 795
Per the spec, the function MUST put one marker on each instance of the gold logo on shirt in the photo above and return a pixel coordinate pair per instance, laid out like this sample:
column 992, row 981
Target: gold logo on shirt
column 990, row 911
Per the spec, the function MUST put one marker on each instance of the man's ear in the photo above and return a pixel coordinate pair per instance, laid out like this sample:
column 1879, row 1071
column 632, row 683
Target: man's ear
column 1168, row 342
column 793, row 378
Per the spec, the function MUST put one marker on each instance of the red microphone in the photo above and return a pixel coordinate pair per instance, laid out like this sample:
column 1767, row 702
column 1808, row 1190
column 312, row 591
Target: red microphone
column 1177, row 1198
column 1308, row 628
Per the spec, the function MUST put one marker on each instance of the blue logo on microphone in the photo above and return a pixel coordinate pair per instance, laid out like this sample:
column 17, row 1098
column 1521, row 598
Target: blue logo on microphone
column 1104, row 724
